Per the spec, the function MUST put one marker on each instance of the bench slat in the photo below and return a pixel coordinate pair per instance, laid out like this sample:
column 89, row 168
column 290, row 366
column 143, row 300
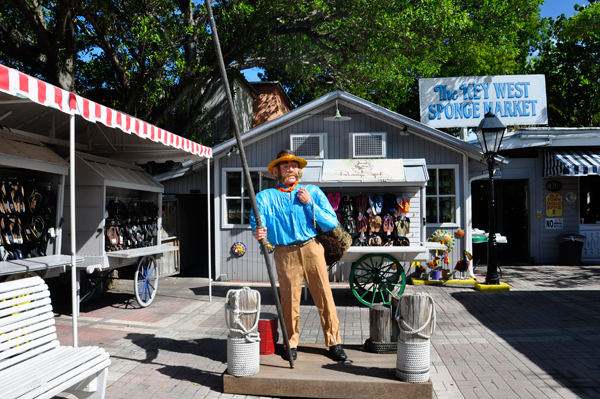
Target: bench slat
column 23, row 339
column 22, row 283
column 6, row 322
column 39, row 318
column 26, row 296
column 9, row 353
column 66, row 380
column 29, row 354
column 47, row 367
column 23, row 291
column 24, row 307
column 8, row 340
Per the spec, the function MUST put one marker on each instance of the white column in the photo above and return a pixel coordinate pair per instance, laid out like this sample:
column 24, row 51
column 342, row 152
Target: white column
column 74, row 282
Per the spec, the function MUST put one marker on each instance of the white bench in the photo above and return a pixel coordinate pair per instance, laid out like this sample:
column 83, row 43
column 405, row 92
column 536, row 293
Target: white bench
column 32, row 362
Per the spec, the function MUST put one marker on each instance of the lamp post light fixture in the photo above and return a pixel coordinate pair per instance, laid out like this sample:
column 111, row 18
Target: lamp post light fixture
column 489, row 133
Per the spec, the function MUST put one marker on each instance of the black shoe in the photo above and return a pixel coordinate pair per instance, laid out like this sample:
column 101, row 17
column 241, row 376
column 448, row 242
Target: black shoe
column 294, row 354
column 336, row 352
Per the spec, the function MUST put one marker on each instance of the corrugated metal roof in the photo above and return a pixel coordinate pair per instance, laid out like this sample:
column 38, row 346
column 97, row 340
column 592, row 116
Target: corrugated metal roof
column 23, row 152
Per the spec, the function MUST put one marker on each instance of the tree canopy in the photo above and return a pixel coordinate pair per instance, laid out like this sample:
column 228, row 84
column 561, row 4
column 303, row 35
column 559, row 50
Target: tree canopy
column 155, row 59
column 569, row 56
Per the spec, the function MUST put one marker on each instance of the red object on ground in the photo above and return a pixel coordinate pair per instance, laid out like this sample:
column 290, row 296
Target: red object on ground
column 267, row 328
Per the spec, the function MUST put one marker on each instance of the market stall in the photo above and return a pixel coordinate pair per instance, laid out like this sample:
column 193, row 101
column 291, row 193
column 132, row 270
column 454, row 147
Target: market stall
column 32, row 181
column 68, row 123
column 380, row 202
column 118, row 218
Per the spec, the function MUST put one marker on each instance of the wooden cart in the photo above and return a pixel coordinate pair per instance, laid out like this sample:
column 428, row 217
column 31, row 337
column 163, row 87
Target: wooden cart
column 110, row 238
column 379, row 273
column 376, row 273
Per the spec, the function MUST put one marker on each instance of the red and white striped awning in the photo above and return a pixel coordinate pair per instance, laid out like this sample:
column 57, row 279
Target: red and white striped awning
column 24, row 86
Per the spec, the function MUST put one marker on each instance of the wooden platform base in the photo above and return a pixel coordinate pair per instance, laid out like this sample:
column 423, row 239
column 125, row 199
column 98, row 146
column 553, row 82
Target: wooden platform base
column 364, row 375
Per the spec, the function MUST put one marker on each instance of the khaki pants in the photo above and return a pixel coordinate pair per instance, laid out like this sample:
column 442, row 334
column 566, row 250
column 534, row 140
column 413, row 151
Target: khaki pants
column 309, row 262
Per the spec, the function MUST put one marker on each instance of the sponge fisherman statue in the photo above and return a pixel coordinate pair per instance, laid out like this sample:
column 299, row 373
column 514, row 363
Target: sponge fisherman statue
column 288, row 214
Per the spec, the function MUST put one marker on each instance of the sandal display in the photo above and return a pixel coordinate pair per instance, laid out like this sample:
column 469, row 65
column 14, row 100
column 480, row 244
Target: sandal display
column 131, row 223
column 361, row 203
column 375, row 223
column 361, row 223
column 388, row 224
column 375, row 214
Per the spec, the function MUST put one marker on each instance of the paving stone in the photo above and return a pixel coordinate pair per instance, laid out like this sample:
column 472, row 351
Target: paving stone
column 539, row 340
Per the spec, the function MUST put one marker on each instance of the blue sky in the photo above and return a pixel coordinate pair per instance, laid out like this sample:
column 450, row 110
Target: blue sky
column 551, row 8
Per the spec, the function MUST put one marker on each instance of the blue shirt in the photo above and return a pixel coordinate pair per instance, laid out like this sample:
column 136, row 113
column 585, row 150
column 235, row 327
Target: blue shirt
column 288, row 220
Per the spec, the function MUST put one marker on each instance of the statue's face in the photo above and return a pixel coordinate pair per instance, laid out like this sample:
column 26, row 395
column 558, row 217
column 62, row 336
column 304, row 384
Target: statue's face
column 288, row 172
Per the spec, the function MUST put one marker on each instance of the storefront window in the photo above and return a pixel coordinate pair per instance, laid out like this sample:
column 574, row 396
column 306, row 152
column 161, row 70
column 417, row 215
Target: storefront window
column 237, row 199
column 440, row 202
column 589, row 199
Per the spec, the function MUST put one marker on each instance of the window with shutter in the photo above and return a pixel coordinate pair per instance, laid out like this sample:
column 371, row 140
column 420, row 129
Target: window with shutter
column 368, row 145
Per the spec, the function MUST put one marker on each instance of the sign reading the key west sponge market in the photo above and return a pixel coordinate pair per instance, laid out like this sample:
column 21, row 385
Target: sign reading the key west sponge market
column 463, row 101
column 363, row 170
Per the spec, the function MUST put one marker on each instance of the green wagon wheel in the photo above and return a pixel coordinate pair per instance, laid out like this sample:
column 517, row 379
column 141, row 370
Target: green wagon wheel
column 145, row 281
column 376, row 278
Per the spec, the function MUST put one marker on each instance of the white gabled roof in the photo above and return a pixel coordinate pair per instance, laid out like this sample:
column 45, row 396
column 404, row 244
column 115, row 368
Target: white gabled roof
column 358, row 104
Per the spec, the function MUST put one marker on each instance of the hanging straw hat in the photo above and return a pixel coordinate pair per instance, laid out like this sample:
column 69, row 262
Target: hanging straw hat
column 288, row 156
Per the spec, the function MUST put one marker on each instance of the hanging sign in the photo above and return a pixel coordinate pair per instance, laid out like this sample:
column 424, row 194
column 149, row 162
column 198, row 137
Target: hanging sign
column 363, row 170
column 554, row 205
column 463, row 101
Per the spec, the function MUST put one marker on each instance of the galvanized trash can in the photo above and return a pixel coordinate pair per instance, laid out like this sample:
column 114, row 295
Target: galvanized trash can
column 416, row 319
column 570, row 246
column 242, row 313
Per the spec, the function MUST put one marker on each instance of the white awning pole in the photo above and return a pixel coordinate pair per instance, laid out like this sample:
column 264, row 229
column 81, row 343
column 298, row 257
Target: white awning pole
column 209, row 229
column 74, row 285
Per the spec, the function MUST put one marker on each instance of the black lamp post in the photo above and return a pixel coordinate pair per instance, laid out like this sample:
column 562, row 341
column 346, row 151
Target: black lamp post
column 489, row 133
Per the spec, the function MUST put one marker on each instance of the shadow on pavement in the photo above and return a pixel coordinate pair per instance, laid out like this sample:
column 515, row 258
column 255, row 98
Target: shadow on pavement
column 558, row 330
column 341, row 296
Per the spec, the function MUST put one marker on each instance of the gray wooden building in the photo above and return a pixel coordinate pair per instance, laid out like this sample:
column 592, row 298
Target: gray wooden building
column 372, row 132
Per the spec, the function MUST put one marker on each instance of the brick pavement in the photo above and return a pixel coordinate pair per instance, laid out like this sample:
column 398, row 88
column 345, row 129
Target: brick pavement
column 539, row 340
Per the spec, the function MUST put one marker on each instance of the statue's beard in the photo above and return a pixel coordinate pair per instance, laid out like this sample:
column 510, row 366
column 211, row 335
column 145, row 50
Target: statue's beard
column 282, row 179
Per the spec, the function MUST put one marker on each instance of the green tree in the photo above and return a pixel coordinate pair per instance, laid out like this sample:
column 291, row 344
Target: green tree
column 155, row 59
column 569, row 56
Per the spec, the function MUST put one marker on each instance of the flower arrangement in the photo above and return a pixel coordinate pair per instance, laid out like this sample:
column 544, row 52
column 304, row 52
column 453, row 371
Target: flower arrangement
column 419, row 268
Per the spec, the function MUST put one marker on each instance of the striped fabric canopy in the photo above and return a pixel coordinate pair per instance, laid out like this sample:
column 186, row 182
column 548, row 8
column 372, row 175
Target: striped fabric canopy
column 571, row 163
column 24, row 86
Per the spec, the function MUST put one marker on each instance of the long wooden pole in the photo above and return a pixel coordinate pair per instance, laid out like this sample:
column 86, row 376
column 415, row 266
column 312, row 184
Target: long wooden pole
column 247, row 176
